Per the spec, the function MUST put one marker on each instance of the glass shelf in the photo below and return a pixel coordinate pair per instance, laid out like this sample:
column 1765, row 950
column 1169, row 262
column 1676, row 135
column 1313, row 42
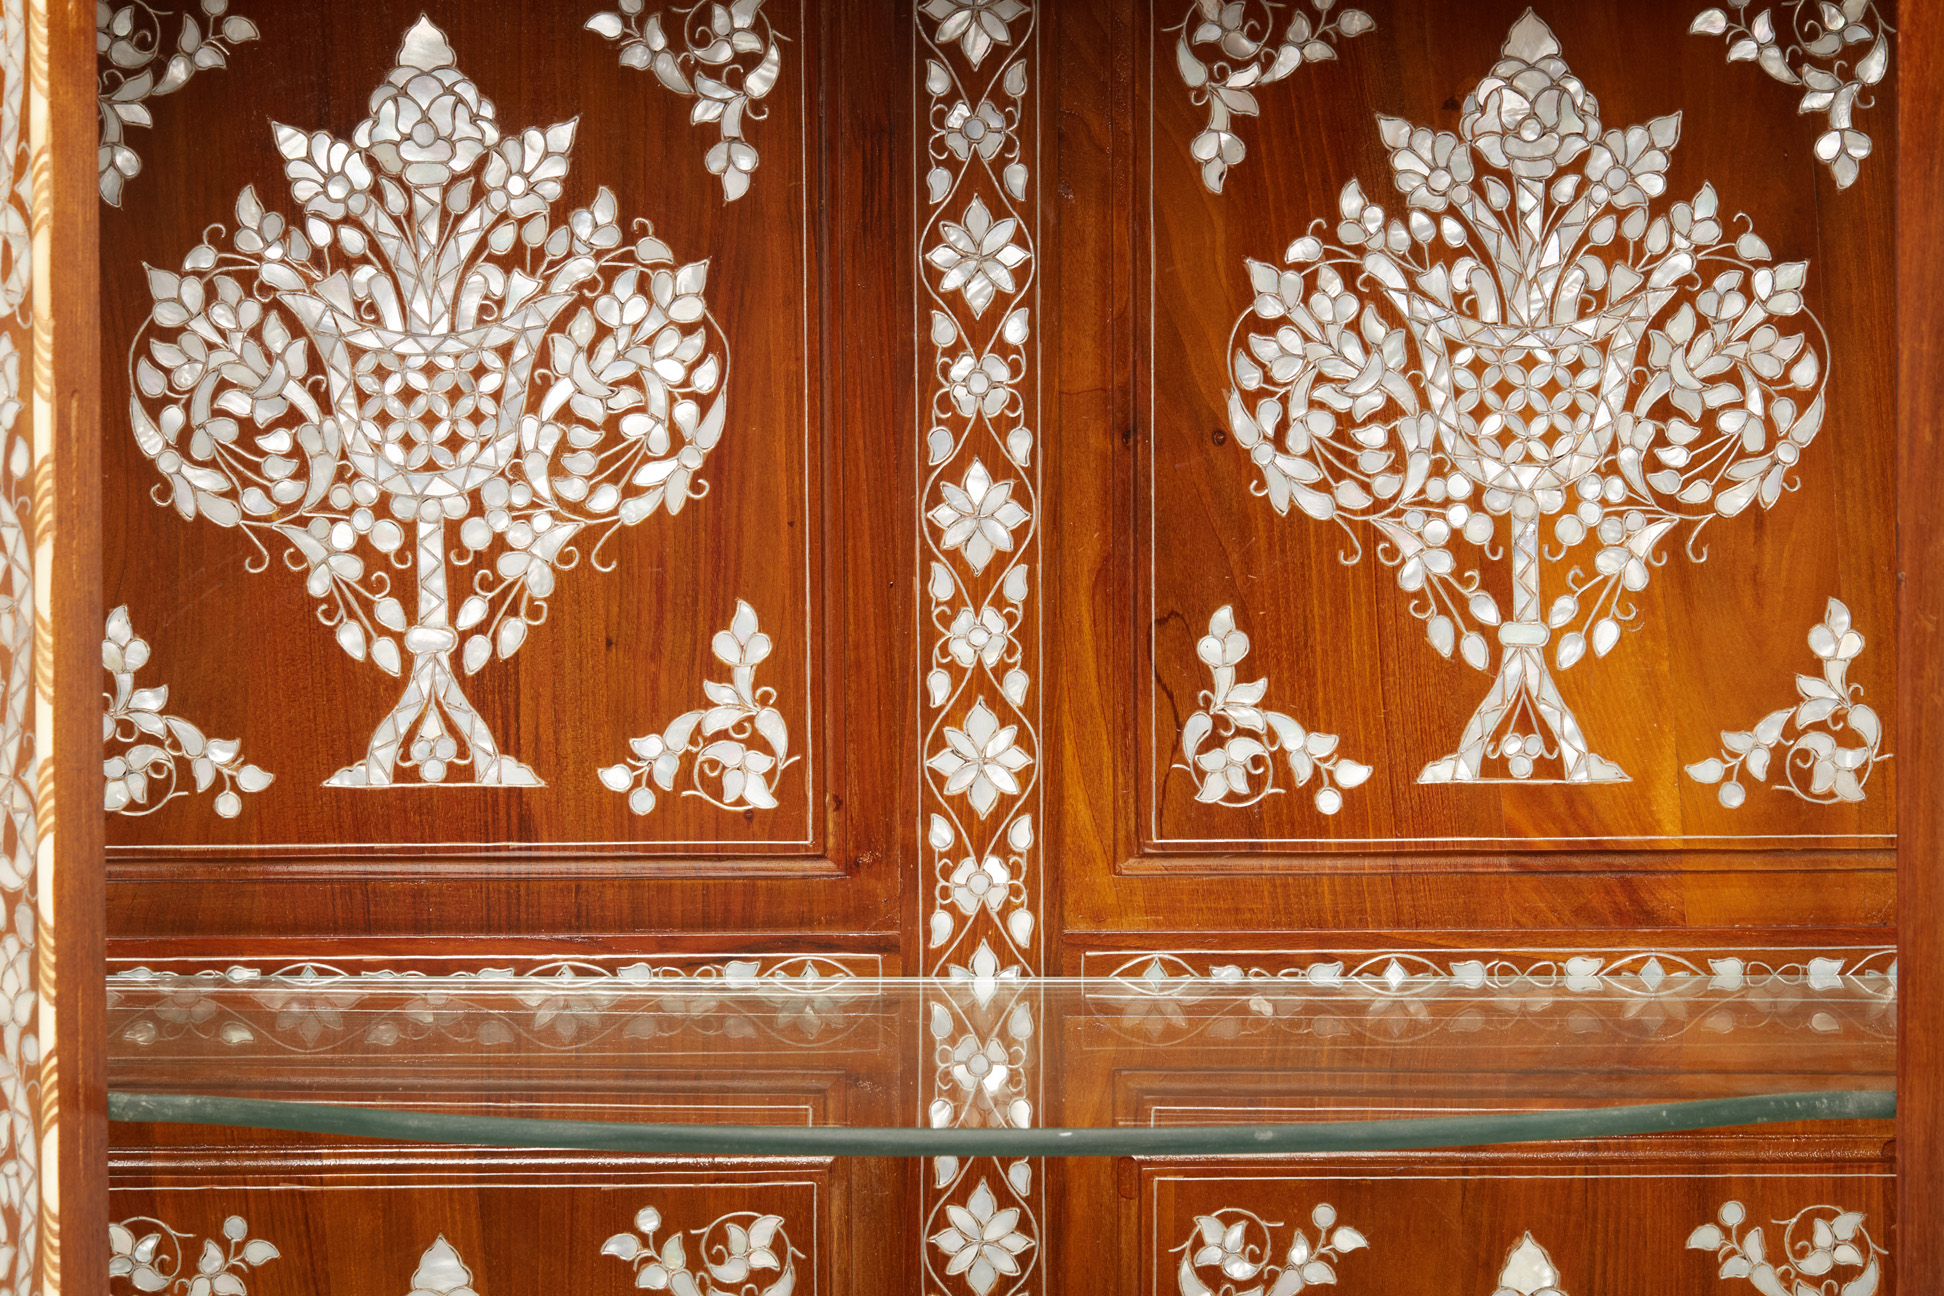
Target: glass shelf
column 1153, row 1064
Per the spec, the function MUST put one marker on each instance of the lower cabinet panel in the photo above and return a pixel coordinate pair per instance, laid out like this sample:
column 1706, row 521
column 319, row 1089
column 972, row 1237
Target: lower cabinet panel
column 1589, row 1221
column 311, row 1219
column 1754, row 1213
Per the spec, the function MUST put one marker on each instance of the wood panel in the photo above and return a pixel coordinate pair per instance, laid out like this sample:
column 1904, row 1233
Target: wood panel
column 372, row 1218
column 1572, row 1219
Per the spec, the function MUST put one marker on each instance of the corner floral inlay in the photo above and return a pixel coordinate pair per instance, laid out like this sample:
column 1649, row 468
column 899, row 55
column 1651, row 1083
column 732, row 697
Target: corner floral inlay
column 744, row 1253
column 148, row 747
column 1235, row 1246
column 429, row 354
column 139, row 63
column 146, row 1255
column 1233, row 716
column 1816, row 1246
column 1825, row 708
column 726, row 57
column 721, row 738
column 1228, row 50
column 1526, row 347
column 1821, row 57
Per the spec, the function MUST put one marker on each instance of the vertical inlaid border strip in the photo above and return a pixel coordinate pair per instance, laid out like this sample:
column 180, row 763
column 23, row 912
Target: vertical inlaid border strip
column 26, row 533
column 977, row 76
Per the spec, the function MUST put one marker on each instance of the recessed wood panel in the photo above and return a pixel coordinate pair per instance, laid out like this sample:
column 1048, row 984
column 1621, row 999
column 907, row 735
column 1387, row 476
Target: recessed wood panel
column 649, row 612
column 1341, row 611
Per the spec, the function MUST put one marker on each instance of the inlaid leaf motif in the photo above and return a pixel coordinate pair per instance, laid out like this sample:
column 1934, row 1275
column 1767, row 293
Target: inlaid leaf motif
column 138, row 62
column 147, row 1255
column 725, row 58
column 1823, row 748
column 740, row 1254
column 720, row 738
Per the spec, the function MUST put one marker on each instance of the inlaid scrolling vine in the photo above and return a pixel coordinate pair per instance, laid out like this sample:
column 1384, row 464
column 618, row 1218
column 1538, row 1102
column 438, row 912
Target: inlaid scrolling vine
column 1238, row 1245
column 147, row 1255
column 720, row 738
column 1228, row 51
column 148, row 748
column 1824, row 709
column 429, row 347
column 1819, row 53
column 978, row 379
column 1232, row 715
column 1816, row 1246
column 1528, row 343
column 745, row 1253
column 138, row 64
column 726, row 57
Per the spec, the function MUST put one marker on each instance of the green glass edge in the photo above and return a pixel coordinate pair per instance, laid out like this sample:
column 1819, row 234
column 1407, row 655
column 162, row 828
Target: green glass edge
column 1227, row 1140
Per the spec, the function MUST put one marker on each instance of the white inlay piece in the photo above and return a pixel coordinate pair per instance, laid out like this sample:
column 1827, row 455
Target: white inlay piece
column 147, row 747
column 1811, row 1257
column 144, row 55
column 1228, row 51
column 1528, row 1271
column 146, row 1255
column 1526, row 347
column 725, row 57
column 504, row 389
column 1816, row 764
column 722, row 738
column 1836, row 54
column 1234, row 1247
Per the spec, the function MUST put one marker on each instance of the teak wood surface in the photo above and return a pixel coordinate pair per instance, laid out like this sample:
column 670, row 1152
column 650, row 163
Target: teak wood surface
column 1147, row 525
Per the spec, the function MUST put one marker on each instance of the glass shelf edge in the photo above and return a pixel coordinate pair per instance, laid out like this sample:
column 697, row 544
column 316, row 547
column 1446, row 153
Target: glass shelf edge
column 1222, row 1140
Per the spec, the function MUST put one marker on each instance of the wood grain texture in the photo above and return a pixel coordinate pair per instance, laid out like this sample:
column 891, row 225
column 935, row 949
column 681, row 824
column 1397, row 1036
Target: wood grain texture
column 78, row 1086
column 1920, row 550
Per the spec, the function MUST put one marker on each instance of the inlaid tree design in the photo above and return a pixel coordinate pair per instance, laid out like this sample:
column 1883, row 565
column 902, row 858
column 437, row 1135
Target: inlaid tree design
column 1530, row 348
column 429, row 354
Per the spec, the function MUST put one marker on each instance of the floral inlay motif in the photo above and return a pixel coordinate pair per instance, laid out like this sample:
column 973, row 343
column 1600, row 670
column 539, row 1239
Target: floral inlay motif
column 726, row 57
column 148, row 747
column 976, row 25
column 139, row 63
column 429, row 350
column 1233, row 716
column 146, row 1255
column 744, row 1253
column 1816, row 764
column 983, row 1241
column 977, row 254
column 1228, row 51
column 441, row 1272
column 1527, row 348
column 1239, row 1246
column 721, row 738
column 982, row 760
column 1837, row 54
column 1816, row 1245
